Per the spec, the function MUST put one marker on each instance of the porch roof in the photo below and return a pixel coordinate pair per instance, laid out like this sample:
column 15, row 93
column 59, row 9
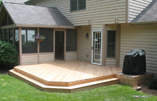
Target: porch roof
column 22, row 14
column 149, row 14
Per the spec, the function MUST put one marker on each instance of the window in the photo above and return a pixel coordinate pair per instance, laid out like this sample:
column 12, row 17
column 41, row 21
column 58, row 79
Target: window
column 77, row 5
column 71, row 40
column 111, row 45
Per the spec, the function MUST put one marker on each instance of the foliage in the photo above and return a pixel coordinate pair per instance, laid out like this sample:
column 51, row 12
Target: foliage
column 12, row 89
column 0, row 2
column 8, row 55
column 153, row 84
column 40, row 37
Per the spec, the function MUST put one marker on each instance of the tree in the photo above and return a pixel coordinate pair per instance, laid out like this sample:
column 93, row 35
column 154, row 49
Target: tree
column 0, row 2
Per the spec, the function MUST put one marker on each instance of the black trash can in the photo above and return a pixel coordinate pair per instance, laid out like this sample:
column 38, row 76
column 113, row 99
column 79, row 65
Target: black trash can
column 135, row 62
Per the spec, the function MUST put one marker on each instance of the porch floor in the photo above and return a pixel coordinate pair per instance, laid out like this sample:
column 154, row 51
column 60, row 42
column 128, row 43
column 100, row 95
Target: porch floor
column 61, row 73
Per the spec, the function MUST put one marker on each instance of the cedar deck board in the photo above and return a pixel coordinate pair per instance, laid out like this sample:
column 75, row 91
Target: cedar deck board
column 62, row 73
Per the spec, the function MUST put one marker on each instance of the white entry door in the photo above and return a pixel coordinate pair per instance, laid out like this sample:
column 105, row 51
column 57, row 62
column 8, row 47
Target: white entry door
column 96, row 47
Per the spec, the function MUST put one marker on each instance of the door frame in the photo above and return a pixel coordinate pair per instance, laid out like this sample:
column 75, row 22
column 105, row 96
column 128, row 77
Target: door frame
column 101, row 47
column 64, row 30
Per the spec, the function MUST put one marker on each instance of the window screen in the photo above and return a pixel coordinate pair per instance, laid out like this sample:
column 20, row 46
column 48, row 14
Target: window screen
column 111, row 45
column 71, row 40
column 82, row 4
column 73, row 5
column 47, row 44
column 29, row 44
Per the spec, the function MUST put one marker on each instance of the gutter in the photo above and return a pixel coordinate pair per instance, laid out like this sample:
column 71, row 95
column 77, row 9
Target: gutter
column 138, row 23
column 44, row 26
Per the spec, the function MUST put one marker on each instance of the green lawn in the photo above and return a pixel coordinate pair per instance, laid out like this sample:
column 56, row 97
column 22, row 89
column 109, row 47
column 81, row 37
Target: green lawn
column 12, row 89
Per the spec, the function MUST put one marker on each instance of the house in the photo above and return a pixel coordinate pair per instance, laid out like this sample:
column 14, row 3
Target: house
column 101, row 32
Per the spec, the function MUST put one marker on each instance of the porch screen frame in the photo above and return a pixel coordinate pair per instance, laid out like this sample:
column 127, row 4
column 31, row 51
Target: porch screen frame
column 96, row 30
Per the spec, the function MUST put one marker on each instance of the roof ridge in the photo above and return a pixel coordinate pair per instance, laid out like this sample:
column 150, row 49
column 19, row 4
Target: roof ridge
column 28, row 5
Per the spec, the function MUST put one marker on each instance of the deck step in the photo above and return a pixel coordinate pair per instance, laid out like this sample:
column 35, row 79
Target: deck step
column 63, row 83
column 70, row 89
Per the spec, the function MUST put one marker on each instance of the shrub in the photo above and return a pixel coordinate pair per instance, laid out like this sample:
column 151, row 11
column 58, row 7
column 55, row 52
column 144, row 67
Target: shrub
column 153, row 84
column 8, row 55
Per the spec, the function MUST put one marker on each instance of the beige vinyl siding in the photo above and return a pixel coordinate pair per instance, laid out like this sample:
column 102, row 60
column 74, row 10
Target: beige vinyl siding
column 111, row 62
column 136, row 6
column 33, row 58
column 140, row 37
column 84, row 44
column 98, row 12
column 46, row 57
column 29, row 59
column 71, row 55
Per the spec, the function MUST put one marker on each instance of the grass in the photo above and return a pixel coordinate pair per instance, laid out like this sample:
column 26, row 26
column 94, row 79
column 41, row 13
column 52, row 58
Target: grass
column 12, row 89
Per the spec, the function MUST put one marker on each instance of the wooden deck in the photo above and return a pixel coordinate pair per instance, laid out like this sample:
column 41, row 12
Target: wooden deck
column 61, row 73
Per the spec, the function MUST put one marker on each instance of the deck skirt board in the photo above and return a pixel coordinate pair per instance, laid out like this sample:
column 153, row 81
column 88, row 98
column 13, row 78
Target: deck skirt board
column 66, row 73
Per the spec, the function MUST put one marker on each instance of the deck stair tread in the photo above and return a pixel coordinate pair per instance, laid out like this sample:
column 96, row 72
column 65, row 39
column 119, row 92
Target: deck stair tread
column 43, row 86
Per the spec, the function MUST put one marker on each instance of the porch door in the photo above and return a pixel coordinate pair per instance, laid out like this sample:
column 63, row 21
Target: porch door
column 59, row 45
column 96, row 47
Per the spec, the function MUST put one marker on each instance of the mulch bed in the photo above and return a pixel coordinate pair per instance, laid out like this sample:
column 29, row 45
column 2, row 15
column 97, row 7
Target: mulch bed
column 3, row 71
column 145, row 89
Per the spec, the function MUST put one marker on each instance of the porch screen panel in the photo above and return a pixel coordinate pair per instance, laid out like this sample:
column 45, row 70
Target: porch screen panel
column 4, row 23
column 29, row 44
column 47, row 44
column 16, row 38
column 71, row 40
column 6, row 36
column 1, row 35
column 11, row 36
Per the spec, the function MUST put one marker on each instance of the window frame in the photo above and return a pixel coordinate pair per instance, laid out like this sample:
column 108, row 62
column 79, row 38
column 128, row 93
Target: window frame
column 110, row 43
column 78, row 9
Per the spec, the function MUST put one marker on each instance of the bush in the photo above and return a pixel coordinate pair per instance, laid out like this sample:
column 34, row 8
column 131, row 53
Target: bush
column 8, row 55
column 153, row 84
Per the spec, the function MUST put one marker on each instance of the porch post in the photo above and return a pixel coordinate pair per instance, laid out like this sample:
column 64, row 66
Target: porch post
column 38, row 44
column 104, row 45
column 20, row 46
column 91, row 30
column 65, row 45
column 13, row 36
column 54, row 43
column 118, row 44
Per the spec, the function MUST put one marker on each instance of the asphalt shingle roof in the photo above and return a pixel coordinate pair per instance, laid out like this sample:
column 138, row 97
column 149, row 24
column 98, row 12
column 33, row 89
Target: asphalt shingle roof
column 36, row 15
column 149, row 14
